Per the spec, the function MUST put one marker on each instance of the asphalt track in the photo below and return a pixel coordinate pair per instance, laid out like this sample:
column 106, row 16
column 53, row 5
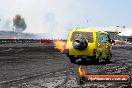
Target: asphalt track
column 41, row 66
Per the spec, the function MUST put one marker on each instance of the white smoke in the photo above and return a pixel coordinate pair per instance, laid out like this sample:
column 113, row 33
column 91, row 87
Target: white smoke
column 51, row 17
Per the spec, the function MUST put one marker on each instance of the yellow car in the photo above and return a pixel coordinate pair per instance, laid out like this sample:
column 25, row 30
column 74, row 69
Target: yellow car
column 89, row 44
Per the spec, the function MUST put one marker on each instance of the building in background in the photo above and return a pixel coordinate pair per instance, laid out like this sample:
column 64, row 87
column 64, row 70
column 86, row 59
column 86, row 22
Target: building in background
column 121, row 35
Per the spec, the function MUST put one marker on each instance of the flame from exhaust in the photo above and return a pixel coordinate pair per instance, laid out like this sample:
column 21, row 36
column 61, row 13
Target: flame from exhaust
column 60, row 45
column 82, row 71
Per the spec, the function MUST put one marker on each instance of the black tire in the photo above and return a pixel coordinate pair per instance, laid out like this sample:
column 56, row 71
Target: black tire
column 99, row 60
column 109, row 57
column 73, row 59
column 84, row 60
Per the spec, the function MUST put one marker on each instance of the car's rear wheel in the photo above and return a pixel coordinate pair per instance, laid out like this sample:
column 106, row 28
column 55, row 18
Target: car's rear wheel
column 84, row 60
column 72, row 59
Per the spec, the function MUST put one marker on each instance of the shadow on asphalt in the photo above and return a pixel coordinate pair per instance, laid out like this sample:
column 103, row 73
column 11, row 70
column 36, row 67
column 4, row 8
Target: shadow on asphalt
column 93, row 63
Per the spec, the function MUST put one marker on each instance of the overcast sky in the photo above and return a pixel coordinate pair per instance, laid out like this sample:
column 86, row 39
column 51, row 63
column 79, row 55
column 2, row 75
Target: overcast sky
column 57, row 17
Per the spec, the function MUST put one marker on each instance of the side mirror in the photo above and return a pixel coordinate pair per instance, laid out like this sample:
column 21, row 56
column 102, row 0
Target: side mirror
column 112, row 41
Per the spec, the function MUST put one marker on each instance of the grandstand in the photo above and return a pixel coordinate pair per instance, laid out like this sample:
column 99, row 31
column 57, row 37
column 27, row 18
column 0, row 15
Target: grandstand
column 14, row 37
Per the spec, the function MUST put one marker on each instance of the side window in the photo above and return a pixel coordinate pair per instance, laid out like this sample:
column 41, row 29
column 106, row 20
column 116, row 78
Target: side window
column 104, row 38
column 98, row 37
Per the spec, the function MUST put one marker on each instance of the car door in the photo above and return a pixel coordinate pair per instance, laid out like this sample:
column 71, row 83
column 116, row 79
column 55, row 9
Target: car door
column 105, row 45
column 109, row 48
column 99, row 43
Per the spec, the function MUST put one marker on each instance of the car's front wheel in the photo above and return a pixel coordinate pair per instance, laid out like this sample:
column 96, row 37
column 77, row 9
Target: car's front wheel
column 99, row 58
column 109, row 57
